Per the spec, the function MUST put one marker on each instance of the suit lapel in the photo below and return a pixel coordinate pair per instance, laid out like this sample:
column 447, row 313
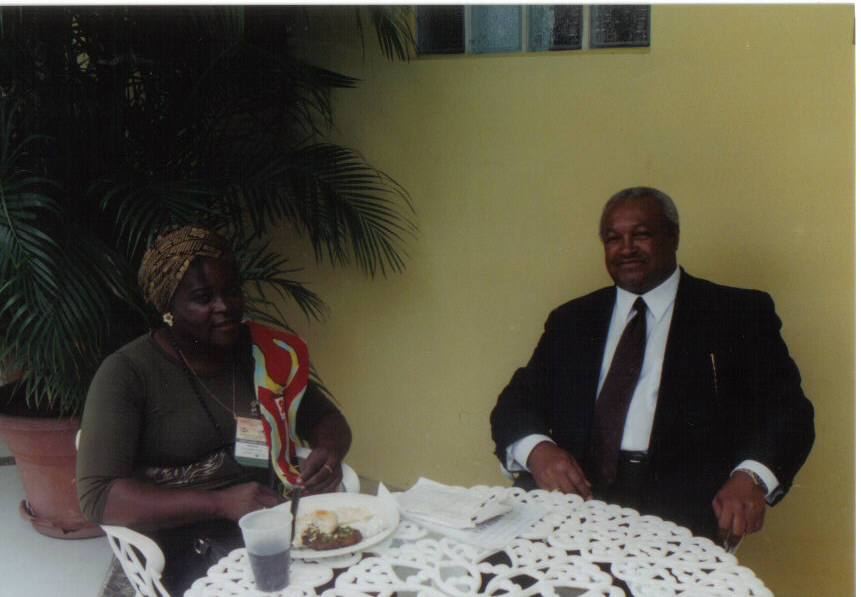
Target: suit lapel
column 686, row 334
column 579, row 354
column 598, row 326
column 596, row 323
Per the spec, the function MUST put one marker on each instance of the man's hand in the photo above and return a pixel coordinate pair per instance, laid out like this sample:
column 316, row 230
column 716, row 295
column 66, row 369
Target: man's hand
column 739, row 507
column 555, row 469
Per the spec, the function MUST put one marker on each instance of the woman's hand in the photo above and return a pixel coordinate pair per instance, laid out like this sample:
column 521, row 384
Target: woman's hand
column 321, row 471
column 236, row 501
column 330, row 440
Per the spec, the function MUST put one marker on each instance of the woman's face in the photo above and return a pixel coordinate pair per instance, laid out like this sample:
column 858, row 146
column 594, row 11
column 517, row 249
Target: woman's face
column 208, row 304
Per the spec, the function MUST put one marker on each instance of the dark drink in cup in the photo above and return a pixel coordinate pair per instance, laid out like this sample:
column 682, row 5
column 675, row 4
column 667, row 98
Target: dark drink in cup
column 270, row 570
column 267, row 535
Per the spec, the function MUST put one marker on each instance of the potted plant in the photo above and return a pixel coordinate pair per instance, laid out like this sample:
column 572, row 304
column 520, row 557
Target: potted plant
column 118, row 121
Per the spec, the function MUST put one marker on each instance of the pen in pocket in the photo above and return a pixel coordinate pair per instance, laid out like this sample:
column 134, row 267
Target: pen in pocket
column 714, row 372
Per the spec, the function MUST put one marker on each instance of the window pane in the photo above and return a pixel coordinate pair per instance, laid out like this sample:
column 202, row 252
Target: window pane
column 494, row 28
column 614, row 26
column 555, row 27
column 440, row 29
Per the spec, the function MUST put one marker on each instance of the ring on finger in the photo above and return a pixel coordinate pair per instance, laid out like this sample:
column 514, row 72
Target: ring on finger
column 328, row 468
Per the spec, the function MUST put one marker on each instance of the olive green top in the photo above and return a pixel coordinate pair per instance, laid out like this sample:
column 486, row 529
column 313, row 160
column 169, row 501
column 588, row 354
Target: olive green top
column 142, row 419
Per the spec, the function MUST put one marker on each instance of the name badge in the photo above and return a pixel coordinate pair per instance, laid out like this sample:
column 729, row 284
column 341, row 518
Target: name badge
column 251, row 448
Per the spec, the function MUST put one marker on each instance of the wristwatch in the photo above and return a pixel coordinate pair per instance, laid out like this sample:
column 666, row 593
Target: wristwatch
column 756, row 479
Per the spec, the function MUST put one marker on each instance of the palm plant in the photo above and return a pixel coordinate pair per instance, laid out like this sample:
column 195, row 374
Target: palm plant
column 119, row 121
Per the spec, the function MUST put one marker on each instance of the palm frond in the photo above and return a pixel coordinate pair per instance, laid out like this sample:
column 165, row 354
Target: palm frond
column 117, row 121
column 262, row 270
column 349, row 210
column 394, row 28
column 141, row 207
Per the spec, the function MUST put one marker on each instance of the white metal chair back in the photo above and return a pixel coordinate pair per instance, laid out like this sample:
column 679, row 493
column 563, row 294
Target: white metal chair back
column 141, row 559
column 349, row 479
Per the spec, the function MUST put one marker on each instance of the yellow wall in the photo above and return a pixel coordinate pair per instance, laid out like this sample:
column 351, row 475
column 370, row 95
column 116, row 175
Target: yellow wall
column 743, row 114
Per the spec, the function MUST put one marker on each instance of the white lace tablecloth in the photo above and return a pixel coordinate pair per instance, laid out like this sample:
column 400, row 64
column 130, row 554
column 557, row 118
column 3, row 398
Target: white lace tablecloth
column 579, row 548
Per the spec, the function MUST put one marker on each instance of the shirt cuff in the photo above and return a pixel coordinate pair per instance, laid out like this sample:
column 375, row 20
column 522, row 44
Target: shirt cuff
column 517, row 453
column 770, row 480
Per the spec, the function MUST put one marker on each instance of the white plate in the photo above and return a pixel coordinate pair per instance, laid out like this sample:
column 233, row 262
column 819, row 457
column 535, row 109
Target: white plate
column 379, row 508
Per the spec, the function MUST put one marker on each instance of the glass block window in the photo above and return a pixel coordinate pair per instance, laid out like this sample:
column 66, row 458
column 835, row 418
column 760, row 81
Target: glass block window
column 495, row 29
column 619, row 26
column 558, row 27
column 508, row 28
column 440, row 29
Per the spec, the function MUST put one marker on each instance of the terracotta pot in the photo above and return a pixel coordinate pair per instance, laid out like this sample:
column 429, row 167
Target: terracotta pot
column 44, row 450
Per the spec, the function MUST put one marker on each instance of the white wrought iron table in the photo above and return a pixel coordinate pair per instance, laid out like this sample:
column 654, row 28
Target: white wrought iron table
column 579, row 547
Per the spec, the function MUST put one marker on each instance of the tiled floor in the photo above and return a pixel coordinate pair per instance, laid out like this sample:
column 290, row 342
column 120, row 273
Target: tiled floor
column 32, row 565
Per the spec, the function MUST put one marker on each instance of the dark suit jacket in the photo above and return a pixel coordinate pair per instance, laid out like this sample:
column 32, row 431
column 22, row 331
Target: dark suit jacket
column 708, row 419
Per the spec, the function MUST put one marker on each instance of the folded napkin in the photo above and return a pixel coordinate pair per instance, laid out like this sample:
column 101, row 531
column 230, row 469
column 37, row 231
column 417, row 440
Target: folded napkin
column 453, row 507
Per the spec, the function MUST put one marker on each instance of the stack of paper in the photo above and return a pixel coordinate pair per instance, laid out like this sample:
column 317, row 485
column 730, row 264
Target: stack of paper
column 455, row 507
column 470, row 516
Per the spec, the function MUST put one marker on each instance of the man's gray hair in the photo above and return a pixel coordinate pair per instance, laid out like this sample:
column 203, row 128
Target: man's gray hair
column 668, row 208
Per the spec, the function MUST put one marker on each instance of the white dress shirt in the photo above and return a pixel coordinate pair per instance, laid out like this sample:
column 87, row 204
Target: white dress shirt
column 641, row 412
column 659, row 313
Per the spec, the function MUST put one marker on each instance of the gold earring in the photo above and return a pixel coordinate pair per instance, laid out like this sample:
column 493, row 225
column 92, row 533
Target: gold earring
column 168, row 318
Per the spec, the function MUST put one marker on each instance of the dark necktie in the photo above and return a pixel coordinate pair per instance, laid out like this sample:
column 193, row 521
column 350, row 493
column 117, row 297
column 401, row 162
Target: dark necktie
column 611, row 408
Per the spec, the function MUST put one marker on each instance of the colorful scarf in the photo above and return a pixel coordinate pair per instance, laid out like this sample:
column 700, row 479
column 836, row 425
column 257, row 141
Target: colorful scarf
column 280, row 380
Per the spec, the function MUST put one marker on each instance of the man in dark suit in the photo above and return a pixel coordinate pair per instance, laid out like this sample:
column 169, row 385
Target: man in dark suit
column 716, row 424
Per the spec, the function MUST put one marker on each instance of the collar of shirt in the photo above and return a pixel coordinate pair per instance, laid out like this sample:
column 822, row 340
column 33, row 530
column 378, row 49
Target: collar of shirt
column 658, row 300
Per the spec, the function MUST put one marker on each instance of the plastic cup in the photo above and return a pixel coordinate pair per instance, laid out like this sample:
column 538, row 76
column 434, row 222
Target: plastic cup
column 266, row 534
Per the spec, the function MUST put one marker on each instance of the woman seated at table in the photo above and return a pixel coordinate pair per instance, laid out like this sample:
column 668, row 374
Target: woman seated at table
column 159, row 449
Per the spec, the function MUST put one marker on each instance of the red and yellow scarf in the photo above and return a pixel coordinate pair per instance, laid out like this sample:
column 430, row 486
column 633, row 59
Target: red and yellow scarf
column 280, row 379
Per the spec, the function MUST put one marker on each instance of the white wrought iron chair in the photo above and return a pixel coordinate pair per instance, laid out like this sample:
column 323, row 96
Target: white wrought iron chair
column 141, row 559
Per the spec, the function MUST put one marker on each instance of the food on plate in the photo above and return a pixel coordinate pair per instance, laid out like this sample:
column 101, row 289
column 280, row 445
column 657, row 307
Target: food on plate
column 330, row 529
column 343, row 536
column 325, row 521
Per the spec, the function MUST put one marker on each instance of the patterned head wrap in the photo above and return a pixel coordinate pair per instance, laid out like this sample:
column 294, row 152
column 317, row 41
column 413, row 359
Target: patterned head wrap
column 166, row 261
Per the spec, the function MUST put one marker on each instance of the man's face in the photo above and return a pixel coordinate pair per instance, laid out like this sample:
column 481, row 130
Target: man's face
column 639, row 244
